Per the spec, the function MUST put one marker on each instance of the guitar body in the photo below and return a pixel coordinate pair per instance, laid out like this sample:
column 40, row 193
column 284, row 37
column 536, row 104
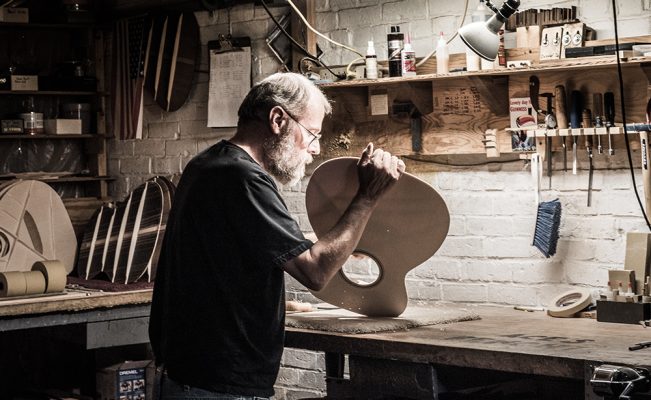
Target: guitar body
column 407, row 227
column 34, row 226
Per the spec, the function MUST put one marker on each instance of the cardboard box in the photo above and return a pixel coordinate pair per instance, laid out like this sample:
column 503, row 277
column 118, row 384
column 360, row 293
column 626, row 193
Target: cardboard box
column 62, row 126
column 130, row 380
column 11, row 126
column 24, row 82
column 17, row 15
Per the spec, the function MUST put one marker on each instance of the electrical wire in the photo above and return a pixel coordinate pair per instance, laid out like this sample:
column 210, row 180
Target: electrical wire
column 319, row 33
column 621, row 96
column 298, row 45
column 463, row 18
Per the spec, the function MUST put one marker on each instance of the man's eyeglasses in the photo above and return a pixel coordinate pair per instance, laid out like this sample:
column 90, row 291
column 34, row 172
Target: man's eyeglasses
column 315, row 136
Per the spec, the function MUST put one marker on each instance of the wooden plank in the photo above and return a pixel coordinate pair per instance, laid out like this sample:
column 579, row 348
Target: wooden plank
column 73, row 301
column 300, row 32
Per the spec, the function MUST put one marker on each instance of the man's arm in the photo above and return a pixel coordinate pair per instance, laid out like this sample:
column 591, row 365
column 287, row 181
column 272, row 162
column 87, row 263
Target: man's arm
column 378, row 171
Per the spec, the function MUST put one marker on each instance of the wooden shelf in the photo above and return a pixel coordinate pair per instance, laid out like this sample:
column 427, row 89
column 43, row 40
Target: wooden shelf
column 582, row 64
column 30, row 25
column 51, row 93
column 43, row 136
column 61, row 179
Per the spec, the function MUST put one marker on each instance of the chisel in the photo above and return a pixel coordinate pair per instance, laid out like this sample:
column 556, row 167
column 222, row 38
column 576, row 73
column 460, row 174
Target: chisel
column 609, row 109
column 561, row 117
column 644, row 151
column 575, row 123
column 597, row 103
column 587, row 123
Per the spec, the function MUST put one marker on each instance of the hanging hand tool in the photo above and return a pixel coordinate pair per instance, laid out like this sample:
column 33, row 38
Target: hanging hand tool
column 644, row 151
column 597, row 103
column 561, row 117
column 550, row 119
column 575, row 123
column 587, row 123
column 609, row 109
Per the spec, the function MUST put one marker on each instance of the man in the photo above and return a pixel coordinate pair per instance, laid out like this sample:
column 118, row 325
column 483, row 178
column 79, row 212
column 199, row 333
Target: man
column 217, row 319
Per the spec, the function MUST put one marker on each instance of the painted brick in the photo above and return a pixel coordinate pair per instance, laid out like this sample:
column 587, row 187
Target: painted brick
column 365, row 16
column 486, row 270
column 587, row 274
column 461, row 247
column 302, row 359
column 509, row 247
column 163, row 130
column 489, row 226
column 185, row 148
column 537, row 271
column 326, row 21
column 588, row 227
column 423, row 290
column 149, row 147
column 511, row 203
column 463, row 292
column 457, row 226
column 195, row 129
column 166, row 165
column 460, row 203
column 120, row 148
column 506, row 294
column 399, row 11
column 139, row 165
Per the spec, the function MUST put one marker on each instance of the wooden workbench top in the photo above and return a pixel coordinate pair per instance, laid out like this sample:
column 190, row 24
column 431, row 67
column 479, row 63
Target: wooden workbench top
column 503, row 339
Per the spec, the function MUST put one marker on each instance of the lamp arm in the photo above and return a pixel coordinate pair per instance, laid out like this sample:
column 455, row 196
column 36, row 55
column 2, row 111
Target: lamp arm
column 491, row 6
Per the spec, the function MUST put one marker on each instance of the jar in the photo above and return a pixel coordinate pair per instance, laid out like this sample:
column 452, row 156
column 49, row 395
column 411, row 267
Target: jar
column 32, row 122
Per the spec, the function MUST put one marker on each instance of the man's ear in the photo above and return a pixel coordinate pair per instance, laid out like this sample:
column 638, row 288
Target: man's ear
column 276, row 119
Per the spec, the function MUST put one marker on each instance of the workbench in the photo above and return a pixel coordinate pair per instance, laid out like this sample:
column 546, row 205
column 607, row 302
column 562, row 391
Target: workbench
column 60, row 341
column 558, row 354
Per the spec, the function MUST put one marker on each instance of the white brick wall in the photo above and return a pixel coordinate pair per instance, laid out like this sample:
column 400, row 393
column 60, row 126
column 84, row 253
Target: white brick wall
column 487, row 257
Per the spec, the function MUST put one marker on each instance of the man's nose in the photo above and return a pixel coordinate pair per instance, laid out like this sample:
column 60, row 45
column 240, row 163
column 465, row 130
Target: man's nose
column 314, row 148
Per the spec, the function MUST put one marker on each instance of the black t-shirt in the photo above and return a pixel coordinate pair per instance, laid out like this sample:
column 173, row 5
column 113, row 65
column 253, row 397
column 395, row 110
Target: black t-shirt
column 218, row 312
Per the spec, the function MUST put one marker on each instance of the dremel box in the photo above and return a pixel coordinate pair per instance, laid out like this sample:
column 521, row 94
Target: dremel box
column 130, row 380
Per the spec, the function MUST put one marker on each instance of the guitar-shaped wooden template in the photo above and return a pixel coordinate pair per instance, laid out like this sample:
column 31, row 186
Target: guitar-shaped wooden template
column 406, row 228
column 34, row 226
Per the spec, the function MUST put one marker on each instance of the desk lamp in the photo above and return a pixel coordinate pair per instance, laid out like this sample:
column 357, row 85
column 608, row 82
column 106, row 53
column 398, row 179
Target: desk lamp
column 481, row 37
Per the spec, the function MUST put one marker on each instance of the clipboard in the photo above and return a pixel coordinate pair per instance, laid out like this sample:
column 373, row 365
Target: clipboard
column 230, row 79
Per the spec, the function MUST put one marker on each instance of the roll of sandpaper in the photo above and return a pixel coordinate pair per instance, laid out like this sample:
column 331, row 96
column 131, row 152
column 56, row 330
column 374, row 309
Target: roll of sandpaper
column 35, row 281
column 12, row 284
column 55, row 275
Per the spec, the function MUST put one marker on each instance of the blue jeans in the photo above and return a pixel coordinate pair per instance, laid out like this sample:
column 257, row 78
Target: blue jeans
column 172, row 390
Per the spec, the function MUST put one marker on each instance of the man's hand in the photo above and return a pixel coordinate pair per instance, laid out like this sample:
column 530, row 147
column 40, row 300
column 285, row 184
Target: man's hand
column 378, row 171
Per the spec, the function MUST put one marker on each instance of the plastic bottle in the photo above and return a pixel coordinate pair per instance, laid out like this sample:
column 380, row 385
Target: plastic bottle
column 408, row 59
column 395, row 41
column 480, row 14
column 371, row 61
column 442, row 56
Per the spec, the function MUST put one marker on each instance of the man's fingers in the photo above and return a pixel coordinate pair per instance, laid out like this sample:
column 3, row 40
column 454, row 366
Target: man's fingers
column 366, row 154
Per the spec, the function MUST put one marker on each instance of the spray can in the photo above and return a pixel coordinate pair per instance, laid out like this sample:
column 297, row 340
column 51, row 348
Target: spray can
column 408, row 59
column 395, row 41
column 371, row 61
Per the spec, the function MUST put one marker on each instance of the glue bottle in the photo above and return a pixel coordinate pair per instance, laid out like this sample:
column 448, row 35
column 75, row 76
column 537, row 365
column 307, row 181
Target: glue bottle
column 371, row 61
column 395, row 41
column 408, row 59
column 442, row 56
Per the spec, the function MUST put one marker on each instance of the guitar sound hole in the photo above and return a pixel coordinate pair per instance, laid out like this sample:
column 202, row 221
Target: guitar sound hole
column 361, row 270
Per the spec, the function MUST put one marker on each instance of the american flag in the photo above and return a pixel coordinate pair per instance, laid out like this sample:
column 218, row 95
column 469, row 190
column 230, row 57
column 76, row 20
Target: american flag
column 130, row 45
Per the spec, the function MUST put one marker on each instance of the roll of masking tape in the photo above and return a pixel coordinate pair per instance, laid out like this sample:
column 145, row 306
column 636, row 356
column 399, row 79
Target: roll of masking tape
column 55, row 275
column 12, row 284
column 569, row 303
column 35, row 282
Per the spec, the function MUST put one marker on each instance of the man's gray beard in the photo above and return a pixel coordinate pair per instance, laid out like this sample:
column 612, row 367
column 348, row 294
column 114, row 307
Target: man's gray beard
column 281, row 158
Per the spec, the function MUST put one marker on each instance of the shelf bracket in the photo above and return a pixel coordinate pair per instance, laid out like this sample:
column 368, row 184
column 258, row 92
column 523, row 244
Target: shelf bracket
column 495, row 92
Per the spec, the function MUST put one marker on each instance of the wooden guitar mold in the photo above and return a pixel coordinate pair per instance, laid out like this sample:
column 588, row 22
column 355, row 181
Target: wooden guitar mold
column 34, row 226
column 407, row 227
column 123, row 241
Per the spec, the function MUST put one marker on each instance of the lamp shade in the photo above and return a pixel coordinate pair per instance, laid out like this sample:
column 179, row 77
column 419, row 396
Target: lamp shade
column 480, row 39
